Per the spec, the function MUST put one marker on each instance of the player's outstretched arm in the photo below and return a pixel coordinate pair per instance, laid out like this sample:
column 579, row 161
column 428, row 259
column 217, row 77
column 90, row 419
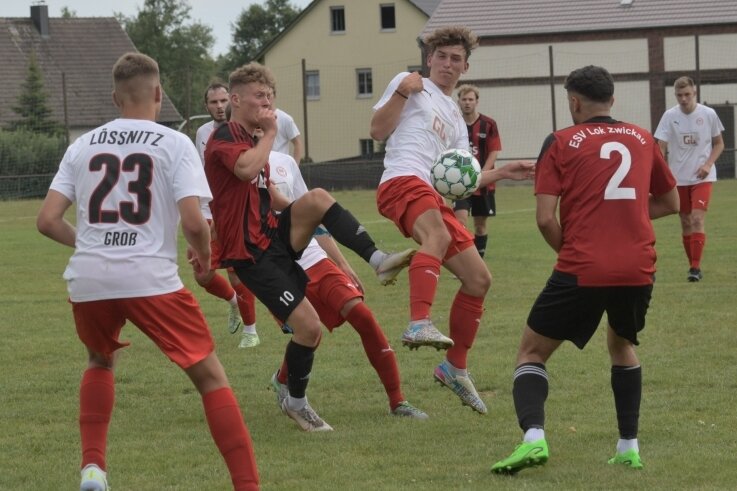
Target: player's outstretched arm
column 664, row 205
column 50, row 220
column 196, row 232
column 517, row 170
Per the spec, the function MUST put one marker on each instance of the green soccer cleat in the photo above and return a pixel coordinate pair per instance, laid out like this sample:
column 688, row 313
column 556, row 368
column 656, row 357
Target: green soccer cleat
column 249, row 340
column 407, row 410
column 524, row 456
column 630, row 458
column 234, row 319
column 93, row 479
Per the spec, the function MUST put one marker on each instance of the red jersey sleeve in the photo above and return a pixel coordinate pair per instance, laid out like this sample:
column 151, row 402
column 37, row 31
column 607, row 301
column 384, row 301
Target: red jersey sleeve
column 547, row 173
column 661, row 178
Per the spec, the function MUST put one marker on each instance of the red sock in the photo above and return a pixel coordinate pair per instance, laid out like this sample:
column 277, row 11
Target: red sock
column 424, row 272
column 465, row 317
column 96, row 400
column 377, row 350
column 246, row 304
column 231, row 437
column 687, row 246
column 220, row 287
column 698, row 241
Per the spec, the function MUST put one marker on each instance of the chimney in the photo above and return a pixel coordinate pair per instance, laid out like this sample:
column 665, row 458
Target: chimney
column 40, row 18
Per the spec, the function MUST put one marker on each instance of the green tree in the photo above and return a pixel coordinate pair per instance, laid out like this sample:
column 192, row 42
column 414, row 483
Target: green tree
column 32, row 106
column 255, row 28
column 159, row 30
column 67, row 13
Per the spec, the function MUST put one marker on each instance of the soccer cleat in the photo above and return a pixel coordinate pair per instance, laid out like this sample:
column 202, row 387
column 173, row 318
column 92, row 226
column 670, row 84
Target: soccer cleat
column 524, row 456
column 392, row 265
column 281, row 389
column 424, row 333
column 694, row 275
column 93, row 479
column 408, row 410
column 306, row 418
column 249, row 340
column 630, row 458
column 234, row 319
column 461, row 386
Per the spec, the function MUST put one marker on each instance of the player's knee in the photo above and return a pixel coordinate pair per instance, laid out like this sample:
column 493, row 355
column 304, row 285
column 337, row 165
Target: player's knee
column 478, row 283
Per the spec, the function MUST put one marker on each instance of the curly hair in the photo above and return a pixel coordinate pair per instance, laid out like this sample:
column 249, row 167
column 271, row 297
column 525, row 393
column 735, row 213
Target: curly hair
column 252, row 72
column 451, row 36
column 593, row 82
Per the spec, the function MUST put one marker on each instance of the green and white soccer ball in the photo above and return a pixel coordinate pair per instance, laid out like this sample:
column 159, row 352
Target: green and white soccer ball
column 455, row 174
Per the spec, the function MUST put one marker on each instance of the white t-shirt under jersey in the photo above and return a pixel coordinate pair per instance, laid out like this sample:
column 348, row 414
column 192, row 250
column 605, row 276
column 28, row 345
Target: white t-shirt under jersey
column 430, row 123
column 287, row 178
column 286, row 131
column 689, row 141
column 203, row 134
column 126, row 178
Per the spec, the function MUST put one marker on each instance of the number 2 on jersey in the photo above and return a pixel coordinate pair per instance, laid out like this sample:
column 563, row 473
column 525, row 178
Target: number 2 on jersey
column 613, row 191
column 135, row 213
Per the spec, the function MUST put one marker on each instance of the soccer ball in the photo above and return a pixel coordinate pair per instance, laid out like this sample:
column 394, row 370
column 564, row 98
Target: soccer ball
column 455, row 174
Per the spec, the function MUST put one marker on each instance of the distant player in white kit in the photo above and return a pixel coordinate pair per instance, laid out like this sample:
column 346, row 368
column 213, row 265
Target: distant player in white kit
column 132, row 180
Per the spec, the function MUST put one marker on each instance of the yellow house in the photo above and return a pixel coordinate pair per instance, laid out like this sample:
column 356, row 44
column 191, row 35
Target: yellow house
column 346, row 52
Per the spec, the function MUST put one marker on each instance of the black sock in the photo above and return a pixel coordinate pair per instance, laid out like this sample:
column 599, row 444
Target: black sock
column 530, row 390
column 480, row 242
column 627, row 388
column 344, row 228
column 299, row 363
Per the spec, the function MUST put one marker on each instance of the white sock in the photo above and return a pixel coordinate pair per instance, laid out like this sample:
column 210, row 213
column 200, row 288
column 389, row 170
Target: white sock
column 624, row 445
column 533, row 435
column 250, row 329
column 456, row 371
column 296, row 403
column 377, row 258
column 234, row 301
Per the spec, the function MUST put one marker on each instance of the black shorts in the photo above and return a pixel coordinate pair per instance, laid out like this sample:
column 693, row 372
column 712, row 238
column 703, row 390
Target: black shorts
column 275, row 278
column 483, row 205
column 566, row 311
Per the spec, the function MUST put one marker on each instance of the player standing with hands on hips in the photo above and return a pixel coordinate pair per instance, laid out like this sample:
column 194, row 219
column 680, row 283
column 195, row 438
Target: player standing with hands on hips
column 131, row 190
column 419, row 120
column 610, row 180
column 691, row 133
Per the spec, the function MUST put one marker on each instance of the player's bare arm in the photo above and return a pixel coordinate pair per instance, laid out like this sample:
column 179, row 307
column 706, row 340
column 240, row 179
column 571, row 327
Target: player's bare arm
column 717, row 147
column 664, row 205
column 663, row 148
column 196, row 232
column 51, row 222
column 490, row 160
column 278, row 200
column 517, row 170
column 547, row 220
column 250, row 162
column 386, row 118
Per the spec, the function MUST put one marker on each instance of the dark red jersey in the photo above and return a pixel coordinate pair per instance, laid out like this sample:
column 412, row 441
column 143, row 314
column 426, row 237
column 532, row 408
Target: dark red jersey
column 604, row 171
column 241, row 211
column 483, row 138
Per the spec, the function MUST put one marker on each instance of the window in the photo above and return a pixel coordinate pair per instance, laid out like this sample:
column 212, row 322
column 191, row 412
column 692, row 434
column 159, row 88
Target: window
column 388, row 19
column 365, row 82
column 312, row 83
column 367, row 147
column 337, row 19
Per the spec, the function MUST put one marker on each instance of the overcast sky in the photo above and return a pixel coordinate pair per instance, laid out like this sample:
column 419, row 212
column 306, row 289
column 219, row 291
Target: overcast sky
column 218, row 14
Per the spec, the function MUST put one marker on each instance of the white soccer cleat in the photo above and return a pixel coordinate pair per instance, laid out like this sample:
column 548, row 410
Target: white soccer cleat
column 392, row 265
column 306, row 418
column 249, row 340
column 234, row 319
column 424, row 333
column 93, row 479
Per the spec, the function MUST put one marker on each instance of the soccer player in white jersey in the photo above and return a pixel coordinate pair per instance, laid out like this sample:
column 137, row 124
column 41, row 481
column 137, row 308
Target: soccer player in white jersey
column 336, row 292
column 287, row 132
column 691, row 133
column 419, row 119
column 132, row 181
column 242, row 302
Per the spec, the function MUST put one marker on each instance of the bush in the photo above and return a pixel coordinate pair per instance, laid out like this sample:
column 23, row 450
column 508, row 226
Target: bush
column 28, row 162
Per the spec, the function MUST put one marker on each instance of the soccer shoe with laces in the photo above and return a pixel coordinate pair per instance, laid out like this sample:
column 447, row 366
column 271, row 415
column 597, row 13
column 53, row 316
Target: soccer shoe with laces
column 424, row 333
column 93, row 479
column 234, row 319
column 281, row 389
column 249, row 340
column 461, row 386
column 694, row 275
column 630, row 458
column 392, row 265
column 407, row 410
column 306, row 418
column 524, row 456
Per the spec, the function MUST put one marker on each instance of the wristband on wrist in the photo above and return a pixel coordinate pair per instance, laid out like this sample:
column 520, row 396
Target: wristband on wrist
column 400, row 94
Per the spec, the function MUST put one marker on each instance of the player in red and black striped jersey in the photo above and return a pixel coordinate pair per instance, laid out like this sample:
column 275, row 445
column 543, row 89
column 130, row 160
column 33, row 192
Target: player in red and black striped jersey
column 611, row 180
column 485, row 144
column 263, row 249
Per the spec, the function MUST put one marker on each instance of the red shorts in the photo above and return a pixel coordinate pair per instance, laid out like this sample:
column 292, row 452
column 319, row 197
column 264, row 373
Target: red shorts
column 328, row 291
column 403, row 199
column 173, row 321
column 694, row 197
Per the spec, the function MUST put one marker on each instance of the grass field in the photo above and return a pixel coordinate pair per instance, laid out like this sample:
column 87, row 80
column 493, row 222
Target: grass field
column 159, row 440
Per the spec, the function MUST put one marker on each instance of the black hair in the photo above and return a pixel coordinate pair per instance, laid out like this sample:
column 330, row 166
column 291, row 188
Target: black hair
column 592, row 82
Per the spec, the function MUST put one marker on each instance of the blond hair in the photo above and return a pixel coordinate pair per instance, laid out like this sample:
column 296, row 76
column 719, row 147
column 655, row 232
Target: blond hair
column 451, row 36
column 466, row 88
column 252, row 72
column 135, row 75
column 683, row 82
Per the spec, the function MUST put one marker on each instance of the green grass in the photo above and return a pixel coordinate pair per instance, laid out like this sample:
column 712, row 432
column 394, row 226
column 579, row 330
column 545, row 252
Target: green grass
column 159, row 440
